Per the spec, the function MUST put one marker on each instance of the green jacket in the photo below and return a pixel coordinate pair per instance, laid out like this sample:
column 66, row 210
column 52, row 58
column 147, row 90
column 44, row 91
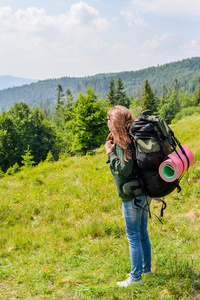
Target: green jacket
column 121, row 170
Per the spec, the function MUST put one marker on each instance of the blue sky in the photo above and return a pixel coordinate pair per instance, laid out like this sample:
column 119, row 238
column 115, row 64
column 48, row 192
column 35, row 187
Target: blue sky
column 49, row 39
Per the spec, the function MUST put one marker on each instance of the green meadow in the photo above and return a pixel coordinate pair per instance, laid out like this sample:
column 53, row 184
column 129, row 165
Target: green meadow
column 62, row 234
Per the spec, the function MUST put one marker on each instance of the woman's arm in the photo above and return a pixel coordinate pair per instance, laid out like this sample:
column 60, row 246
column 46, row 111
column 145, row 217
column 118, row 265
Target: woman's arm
column 117, row 162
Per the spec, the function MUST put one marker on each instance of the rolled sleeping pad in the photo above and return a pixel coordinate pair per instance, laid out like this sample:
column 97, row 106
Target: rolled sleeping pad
column 176, row 164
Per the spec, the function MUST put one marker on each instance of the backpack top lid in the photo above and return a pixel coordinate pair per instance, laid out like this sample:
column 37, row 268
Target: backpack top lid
column 159, row 124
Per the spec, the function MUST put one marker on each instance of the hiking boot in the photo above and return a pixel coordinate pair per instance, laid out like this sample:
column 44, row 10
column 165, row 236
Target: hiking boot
column 128, row 282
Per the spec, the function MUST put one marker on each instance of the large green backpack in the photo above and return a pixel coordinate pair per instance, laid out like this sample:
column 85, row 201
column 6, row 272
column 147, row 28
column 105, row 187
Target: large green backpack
column 152, row 141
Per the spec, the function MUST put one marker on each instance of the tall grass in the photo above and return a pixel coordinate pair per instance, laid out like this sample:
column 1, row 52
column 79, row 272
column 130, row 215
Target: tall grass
column 62, row 235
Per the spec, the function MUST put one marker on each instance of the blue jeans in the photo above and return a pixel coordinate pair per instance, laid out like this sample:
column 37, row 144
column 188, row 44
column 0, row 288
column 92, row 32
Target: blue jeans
column 136, row 220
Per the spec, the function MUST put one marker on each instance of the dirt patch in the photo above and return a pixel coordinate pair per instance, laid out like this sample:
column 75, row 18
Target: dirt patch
column 191, row 215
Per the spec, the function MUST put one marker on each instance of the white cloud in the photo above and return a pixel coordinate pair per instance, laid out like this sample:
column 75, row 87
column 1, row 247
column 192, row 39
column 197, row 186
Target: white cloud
column 119, row 47
column 182, row 8
column 153, row 42
column 86, row 15
column 80, row 41
column 157, row 42
column 134, row 19
column 161, row 49
column 34, row 20
column 140, row 30
column 32, row 38
column 192, row 47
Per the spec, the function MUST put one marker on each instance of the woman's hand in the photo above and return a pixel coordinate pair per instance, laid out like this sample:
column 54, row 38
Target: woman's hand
column 109, row 145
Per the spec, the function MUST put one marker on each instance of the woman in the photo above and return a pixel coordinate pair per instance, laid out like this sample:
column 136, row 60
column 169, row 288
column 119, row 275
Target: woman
column 118, row 148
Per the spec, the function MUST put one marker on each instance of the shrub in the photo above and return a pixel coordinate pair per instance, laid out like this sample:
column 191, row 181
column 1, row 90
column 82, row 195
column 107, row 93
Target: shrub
column 64, row 155
column 187, row 111
column 9, row 171
column 15, row 168
column 1, row 173
column 49, row 157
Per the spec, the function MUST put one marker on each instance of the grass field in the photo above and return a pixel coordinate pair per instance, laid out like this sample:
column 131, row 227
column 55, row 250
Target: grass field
column 62, row 234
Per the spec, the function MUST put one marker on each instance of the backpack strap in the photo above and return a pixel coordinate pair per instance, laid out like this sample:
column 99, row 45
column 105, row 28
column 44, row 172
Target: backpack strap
column 164, row 205
column 175, row 142
column 180, row 146
column 148, row 210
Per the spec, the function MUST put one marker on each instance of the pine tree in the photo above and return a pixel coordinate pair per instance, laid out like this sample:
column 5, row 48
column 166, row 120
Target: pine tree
column 175, row 102
column 68, row 109
column 49, row 157
column 169, row 93
column 148, row 98
column 27, row 158
column 59, row 110
column 116, row 94
column 196, row 94
column 176, row 86
column 67, row 134
column 89, row 128
column 60, row 95
column 111, row 94
column 69, row 97
column 164, row 95
column 121, row 98
column 172, row 105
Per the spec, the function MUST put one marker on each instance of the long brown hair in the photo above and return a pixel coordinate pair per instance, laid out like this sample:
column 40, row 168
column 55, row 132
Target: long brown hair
column 121, row 118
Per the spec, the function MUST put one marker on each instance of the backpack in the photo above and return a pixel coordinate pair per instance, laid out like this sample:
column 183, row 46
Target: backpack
column 153, row 140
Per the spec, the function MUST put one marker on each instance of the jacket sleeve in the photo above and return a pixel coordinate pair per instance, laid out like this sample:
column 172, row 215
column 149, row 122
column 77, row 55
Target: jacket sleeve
column 118, row 164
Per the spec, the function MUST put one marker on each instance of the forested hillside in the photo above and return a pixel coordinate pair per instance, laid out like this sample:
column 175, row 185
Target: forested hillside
column 77, row 126
column 43, row 93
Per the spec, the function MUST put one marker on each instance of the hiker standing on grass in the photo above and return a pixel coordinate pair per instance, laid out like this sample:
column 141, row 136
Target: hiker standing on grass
column 118, row 148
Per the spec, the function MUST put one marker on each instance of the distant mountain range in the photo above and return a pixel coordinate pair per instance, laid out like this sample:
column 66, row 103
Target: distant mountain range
column 43, row 93
column 8, row 81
